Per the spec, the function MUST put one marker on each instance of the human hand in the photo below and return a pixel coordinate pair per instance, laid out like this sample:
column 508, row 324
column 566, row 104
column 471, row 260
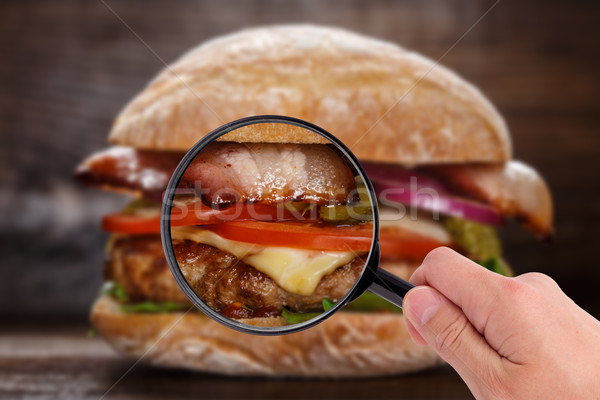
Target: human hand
column 515, row 338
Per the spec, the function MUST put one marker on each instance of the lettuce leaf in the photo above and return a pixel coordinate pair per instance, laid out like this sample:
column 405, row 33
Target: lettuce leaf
column 115, row 291
column 153, row 307
column 327, row 304
column 292, row 317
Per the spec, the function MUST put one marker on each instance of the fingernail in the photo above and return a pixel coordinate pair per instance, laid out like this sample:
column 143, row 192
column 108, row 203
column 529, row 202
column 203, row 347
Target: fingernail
column 424, row 303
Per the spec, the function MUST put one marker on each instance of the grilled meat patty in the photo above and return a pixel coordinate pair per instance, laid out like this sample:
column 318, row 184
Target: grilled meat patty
column 137, row 263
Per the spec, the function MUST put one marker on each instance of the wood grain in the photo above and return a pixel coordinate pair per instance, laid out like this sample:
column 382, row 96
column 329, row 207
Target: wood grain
column 63, row 363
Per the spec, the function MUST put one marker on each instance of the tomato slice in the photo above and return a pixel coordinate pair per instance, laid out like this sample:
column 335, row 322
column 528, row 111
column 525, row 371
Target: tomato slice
column 297, row 234
column 197, row 213
column 397, row 243
column 130, row 224
column 242, row 224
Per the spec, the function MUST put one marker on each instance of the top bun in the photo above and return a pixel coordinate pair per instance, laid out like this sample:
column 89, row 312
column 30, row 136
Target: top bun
column 385, row 103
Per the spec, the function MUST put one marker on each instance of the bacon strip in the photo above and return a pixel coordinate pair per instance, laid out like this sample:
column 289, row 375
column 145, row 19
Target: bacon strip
column 125, row 169
column 514, row 189
column 226, row 172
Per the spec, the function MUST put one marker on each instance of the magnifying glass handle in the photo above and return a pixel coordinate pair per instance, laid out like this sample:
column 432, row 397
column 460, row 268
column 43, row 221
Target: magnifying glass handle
column 390, row 287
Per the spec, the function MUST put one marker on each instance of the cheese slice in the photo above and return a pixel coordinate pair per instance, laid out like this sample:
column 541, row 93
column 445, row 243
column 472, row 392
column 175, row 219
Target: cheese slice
column 295, row 270
column 423, row 224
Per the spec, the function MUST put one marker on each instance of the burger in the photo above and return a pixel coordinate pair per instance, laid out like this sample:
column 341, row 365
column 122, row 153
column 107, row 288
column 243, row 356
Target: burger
column 438, row 153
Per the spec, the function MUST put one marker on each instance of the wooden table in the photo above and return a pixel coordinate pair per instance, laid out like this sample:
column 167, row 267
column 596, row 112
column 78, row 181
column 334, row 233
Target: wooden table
column 63, row 363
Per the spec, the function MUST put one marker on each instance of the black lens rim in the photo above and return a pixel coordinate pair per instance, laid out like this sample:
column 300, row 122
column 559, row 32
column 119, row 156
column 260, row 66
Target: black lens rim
column 359, row 286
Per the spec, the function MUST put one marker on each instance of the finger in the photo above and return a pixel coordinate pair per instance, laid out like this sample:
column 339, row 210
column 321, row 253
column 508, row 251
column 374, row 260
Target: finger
column 445, row 328
column 476, row 290
column 414, row 334
column 540, row 281
column 551, row 291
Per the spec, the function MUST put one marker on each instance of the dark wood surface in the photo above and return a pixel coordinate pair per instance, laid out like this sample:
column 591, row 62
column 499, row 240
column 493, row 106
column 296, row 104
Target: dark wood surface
column 69, row 66
column 63, row 363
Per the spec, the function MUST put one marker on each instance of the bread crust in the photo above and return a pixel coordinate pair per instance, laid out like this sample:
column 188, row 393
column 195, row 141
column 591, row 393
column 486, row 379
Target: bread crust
column 384, row 102
column 345, row 345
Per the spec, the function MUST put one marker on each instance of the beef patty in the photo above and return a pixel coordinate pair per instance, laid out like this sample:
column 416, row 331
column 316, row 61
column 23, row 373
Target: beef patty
column 137, row 263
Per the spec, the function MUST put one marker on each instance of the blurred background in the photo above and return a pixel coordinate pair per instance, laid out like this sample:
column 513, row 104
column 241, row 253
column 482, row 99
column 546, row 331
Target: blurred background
column 68, row 67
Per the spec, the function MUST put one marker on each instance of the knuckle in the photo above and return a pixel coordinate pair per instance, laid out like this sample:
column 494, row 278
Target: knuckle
column 516, row 288
column 533, row 275
column 538, row 278
column 519, row 295
column 451, row 335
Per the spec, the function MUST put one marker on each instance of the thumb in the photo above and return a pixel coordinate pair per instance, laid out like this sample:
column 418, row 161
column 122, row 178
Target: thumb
column 445, row 327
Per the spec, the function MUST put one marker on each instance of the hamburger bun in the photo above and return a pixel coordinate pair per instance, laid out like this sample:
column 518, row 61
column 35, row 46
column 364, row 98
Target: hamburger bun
column 384, row 102
column 346, row 345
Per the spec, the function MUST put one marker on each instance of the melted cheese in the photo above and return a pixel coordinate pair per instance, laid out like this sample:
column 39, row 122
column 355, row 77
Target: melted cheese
column 295, row 270
column 423, row 225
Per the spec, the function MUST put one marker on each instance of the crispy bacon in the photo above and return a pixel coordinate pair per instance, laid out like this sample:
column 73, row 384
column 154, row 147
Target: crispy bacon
column 225, row 173
column 513, row 188
column 143, row 172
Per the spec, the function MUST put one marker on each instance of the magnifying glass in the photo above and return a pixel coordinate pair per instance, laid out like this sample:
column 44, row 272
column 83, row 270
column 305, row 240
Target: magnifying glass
column 270, row 225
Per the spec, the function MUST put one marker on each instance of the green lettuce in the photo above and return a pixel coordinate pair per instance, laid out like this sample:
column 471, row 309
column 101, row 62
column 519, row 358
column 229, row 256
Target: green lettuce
column 115, row 291
column 293, row 317
column 118, row 293
column 153, row 307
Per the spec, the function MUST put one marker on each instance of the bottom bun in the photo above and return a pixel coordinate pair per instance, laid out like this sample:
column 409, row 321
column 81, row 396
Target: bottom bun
column 345, row 345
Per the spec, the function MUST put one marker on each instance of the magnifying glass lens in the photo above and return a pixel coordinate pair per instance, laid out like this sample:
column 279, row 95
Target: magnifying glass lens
column 269, row 225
